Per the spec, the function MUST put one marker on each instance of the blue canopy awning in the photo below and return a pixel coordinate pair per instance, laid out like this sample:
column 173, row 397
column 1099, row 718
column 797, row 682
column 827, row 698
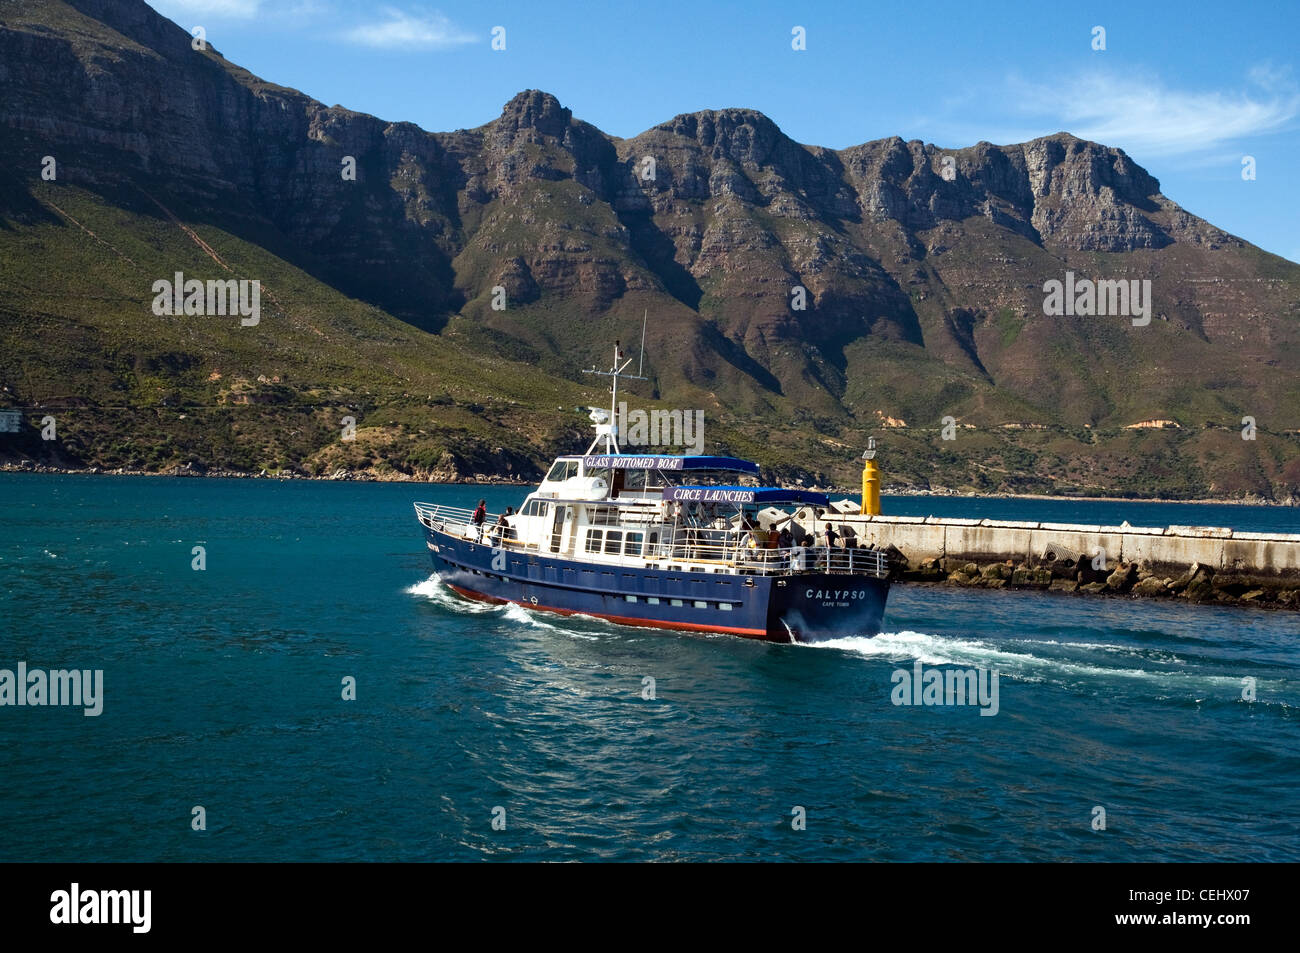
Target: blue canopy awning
column 666, row 461
column 745, row 494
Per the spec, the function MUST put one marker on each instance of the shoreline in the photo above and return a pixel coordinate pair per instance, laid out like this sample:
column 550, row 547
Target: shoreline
column 348, row 476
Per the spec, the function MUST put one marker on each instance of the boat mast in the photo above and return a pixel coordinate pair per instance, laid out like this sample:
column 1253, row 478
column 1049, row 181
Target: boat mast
column 609, row 430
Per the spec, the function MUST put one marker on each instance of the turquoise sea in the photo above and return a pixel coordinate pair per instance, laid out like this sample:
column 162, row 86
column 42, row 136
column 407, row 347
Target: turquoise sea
column 223, row 688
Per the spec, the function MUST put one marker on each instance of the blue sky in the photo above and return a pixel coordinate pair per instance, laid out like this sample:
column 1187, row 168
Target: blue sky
column 1186, row 90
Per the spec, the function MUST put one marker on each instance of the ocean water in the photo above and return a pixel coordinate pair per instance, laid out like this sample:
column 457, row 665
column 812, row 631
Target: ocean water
column 223, row 689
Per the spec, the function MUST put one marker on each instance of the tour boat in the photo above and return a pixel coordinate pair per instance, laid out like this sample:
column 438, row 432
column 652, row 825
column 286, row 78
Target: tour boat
column 687, row 542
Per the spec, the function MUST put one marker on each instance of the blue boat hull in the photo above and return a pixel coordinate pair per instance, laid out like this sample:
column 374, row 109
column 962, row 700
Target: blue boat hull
column 802, row 607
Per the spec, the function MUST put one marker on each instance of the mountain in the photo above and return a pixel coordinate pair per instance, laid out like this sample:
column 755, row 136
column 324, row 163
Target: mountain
column 921, row 272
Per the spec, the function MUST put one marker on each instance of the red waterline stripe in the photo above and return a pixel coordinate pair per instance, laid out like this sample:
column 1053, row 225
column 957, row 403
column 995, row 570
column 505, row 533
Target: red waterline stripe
column 622, row 620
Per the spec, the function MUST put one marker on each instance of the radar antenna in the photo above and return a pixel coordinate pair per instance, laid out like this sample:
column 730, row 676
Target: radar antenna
column 608, row 429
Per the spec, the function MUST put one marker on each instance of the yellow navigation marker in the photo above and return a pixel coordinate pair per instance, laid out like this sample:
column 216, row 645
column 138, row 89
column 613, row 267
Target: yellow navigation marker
column 870, row 481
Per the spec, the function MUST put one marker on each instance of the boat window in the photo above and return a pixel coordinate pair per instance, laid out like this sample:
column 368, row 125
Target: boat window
column 593, row 540
column 632, row 545
column 563, row 470
column 613, row 540
column 605, row 515
column 531, row 508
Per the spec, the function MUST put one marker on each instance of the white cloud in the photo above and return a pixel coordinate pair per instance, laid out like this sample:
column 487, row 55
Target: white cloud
column 1142, row 114
column 1137, row 112
column 212, row 9
column 412, row 31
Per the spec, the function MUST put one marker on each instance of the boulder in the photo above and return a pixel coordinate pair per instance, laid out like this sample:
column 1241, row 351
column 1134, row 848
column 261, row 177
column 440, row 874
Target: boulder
column 1195, row 571
column 1151, row 586
column 1199, row 590
column 1123, row 578
column 1088, row 574
column 1229, row 585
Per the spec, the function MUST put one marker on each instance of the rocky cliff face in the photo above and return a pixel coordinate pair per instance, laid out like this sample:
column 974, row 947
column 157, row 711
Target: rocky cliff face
column 888, row 280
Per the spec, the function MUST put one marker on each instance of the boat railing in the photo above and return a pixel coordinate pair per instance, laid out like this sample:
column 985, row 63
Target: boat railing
column 669, row 546
column 455, row 517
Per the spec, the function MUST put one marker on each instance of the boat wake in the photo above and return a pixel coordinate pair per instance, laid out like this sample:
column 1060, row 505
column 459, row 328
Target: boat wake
column 437, row 592
column 1083, row 666
column 1078, row 666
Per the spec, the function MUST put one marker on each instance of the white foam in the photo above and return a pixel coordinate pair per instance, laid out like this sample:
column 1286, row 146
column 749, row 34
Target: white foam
column 517, row 613
column 440, row 594
column 437, row 592
column 890, row 645
column 1023, row 666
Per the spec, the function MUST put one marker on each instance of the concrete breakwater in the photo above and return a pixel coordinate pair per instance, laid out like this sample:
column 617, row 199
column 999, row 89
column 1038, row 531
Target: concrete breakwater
column 1197, row 563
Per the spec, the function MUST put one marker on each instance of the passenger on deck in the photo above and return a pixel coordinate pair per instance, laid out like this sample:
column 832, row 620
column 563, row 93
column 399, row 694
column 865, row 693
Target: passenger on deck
column 785, row 539
column 480, row 515
column 799, row 556
column 499, row 529
column 830, row 539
